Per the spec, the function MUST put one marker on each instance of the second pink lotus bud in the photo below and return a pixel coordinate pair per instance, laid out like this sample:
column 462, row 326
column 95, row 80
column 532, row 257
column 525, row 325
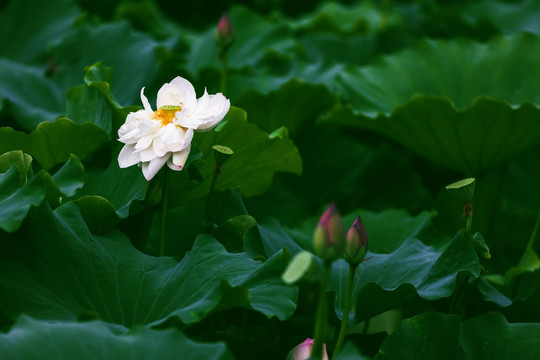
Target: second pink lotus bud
column 357, row 243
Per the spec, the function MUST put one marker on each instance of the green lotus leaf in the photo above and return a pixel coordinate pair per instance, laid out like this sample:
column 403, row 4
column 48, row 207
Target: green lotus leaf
column 268, row 239
column 100, row 77
column 16, row 202
column 27, row 95
column 247, row 50
column 510, row 17
column 94, row 102
column 335, row 50
column 525, row 308
column 386, row 230
column 17, row 198
column 25, row 38
column 231, row 232
column 450, row 101
column 70, row 177
column 346, row 19
column 98, row 213
column 400, row 266
column 128, row 186
column 438, row 336
column 387, row 280
column 97, row 339
column 521, row 183
column 350, row 352
column 114, row 44
column 257, row 156
column 149, row 17
column 70, row 272
column 21, row 161
column 52, row 142
column 87, row 104
column 266, row 111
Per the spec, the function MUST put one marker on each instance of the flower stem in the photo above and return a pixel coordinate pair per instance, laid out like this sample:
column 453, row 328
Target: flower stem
column 217, row 171
column 164, row 199
column 346, row 309
column 320, row 320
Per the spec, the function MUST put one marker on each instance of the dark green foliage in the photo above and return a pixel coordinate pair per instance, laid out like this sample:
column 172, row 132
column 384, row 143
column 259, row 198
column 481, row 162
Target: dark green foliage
column 373, row 105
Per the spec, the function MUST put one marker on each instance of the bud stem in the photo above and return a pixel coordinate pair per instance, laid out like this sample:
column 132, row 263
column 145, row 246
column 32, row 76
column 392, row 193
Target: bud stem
column 346, row 309
column 164, row 198
column 223, row 81
column 320, row 319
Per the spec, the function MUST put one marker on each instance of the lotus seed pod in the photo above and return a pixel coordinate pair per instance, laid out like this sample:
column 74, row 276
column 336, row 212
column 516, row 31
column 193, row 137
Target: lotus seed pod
column 462, row 190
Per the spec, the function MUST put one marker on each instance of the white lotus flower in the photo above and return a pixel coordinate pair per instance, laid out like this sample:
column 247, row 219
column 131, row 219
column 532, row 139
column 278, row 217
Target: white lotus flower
column 154, row 138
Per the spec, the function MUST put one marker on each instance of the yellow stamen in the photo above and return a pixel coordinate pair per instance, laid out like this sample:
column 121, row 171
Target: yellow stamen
column 166, row 113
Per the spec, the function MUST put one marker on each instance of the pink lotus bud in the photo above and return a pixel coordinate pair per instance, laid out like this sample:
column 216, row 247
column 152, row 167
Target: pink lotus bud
column 303, row 351
column 224, row 32
column 329, row 236
column 357, row 243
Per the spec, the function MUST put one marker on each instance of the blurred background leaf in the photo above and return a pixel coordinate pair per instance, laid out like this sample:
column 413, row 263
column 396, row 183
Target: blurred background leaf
column 86, row 340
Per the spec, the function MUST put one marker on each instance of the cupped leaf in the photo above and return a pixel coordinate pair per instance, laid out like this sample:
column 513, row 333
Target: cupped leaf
column 257, row 156
column 438, row 336
column 129, row 185
column 452, row 102
column 98, row 213
column 96, row 339
column 71, row 272
column 100, row 77
column 52, row 142
column 86, row 104
column 21, row 161
column 70, row 177
column 16, row 200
